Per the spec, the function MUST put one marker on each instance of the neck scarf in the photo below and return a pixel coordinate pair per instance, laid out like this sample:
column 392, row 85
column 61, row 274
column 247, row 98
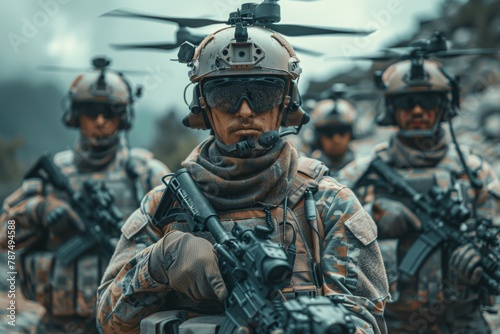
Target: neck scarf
column 427, row 152
column 234, row 183
column 92, row 156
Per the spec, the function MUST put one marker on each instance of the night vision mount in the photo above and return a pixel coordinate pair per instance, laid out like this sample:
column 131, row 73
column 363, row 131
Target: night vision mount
column 102, row 64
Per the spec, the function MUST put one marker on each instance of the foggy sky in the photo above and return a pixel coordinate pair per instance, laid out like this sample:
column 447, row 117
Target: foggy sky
column 70, row 32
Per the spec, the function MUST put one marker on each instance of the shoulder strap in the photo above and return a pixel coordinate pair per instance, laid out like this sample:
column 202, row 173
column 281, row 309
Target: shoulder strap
column 309, row 173
column 137, row 171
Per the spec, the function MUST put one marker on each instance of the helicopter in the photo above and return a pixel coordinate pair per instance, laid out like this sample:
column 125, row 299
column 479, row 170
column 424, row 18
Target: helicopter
column 266, row 14
column 435, row 46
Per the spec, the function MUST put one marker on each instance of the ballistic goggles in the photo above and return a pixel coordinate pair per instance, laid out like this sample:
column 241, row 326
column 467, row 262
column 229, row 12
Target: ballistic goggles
column 428, row 100
column 261, row 94
column 93, row 110
column 330, row 131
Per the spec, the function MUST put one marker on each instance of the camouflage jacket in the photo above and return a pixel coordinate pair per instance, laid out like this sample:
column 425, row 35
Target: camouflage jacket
column 334, row 166
column 350, row 260
column 413, row 296
column 70, row 290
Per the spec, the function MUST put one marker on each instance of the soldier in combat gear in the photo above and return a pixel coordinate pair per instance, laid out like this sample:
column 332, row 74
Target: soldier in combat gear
column 333, row 121
column 245, row 89
column 101, row 108
column 444, row 296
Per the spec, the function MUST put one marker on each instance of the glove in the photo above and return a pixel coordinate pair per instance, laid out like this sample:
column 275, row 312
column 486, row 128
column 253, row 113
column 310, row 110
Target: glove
column 189, row 265
column 464, row 265
column 58, row 216
column 393, row 218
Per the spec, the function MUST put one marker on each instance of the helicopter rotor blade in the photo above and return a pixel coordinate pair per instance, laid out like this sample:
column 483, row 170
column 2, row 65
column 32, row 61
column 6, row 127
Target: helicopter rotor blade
column 299, row 30
column 307, row 52
column 88, row 69
column 64, row 69
column 384, row 55
column 182, row 22
column 466, row 52
column 152, row 46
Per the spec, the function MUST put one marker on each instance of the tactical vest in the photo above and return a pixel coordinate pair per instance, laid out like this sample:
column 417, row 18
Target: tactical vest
column 71, row 290
column 306, row 277
column 430, row 284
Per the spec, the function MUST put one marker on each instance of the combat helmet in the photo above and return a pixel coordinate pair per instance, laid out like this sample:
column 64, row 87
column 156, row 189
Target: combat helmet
column 243, row 53
column 332, row 115
column 101, row 88
column 414, row 76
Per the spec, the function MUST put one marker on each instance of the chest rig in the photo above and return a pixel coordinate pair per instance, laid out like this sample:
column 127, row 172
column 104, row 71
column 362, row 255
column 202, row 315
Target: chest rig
column 290, row 223
column 430, row 283
column 122, row 178
column 69, row 290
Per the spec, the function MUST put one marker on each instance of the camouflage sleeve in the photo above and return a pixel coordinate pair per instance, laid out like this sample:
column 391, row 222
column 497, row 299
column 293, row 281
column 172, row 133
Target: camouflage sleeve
column 350, row 173
column 21, row 208
column 488, row 198
column 352, row 264
column 128, row 293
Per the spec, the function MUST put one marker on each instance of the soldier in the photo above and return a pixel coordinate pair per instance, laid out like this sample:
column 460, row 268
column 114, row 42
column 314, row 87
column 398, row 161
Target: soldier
column 101, row 108
column 333, row 132
column 444, row 295
column 249, row 174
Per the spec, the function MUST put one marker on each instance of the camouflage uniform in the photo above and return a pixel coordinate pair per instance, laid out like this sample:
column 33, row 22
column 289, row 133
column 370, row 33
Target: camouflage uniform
column 68, row 292
column 349, row 255
column 431, row 302
column 330, row 114
column 334, row 166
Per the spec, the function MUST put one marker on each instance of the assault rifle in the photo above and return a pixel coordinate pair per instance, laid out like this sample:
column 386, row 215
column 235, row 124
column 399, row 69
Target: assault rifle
column 93, row 204
column 253, row 267
column 443, row 214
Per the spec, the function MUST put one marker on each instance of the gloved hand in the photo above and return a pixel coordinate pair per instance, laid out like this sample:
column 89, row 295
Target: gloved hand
column 393, row 218
column 464, row 265
column 189, row 265
column 58, row 216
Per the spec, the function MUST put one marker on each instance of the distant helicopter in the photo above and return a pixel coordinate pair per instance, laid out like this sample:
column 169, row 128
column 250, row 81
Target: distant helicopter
column 266, row 14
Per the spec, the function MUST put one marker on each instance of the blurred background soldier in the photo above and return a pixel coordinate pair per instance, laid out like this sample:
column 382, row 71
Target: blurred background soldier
column 101, row 107
column 245, row 89
column 483, row 134
column 333, row 121
column 445, row 294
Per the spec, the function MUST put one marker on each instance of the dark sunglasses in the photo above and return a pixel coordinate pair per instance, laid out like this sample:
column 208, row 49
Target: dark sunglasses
column 427, row 101
column 261, row 94
column 332, row 130
column 108, row 111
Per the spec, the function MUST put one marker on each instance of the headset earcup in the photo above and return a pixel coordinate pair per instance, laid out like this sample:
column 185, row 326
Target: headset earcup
column 197, row 117
column 386, row 115
column 70, row 118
